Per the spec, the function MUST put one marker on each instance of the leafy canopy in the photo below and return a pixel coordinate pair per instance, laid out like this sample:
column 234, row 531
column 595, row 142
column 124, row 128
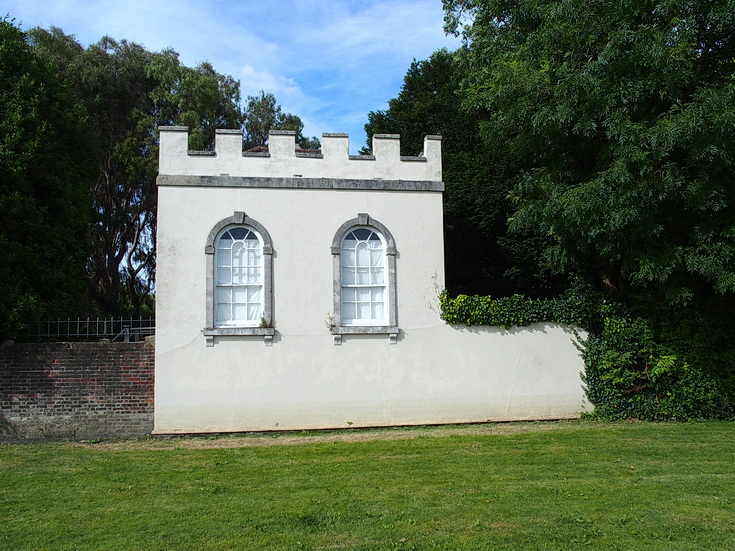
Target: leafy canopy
column 128, row 92
column 621, row 115
column 46, row 164
column 262, row 113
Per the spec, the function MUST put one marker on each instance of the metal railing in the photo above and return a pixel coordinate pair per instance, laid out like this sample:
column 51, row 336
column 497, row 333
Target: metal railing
column 91, row 329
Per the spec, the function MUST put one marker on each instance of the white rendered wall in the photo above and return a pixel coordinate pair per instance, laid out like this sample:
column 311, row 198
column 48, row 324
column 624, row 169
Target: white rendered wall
column 435, row 373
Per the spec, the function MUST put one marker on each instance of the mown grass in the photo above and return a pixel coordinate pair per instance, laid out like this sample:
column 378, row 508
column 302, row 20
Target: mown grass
column 583, row 484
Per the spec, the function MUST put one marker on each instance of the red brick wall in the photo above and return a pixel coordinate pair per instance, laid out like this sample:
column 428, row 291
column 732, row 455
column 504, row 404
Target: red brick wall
column 76, row 390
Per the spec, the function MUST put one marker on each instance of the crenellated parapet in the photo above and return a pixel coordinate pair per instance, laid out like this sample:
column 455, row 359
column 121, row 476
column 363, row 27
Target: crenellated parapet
column 283, row 162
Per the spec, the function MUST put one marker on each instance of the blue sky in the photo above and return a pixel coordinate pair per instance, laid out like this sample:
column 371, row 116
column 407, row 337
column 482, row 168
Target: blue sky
column 328, row 61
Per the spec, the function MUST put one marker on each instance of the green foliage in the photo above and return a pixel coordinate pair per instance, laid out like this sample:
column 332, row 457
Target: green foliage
column 199, row 98
column 128, row 92
column 631, row 370
column 630, row 375
column 506, row 312
column 262, row 114
column 47, row 164
column 621, row 119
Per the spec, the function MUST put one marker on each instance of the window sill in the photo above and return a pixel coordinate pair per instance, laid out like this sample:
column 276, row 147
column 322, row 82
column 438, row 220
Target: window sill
column 391, row 331
column 266, row 332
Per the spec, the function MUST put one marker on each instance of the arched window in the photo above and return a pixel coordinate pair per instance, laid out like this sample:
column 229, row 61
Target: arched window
column 363, row 282
column 238, row 288
column 364, row 255
column 239, row 279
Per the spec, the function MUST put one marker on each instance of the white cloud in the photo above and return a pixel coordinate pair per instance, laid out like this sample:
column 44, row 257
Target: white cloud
column 252, row 81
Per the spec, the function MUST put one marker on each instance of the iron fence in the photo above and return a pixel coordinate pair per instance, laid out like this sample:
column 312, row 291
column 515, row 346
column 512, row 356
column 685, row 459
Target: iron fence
column 91, row 329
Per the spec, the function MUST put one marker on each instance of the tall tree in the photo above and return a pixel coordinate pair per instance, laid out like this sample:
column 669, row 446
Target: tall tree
column 128, row 92
column 262, row 113
column 200, row 98
column 46, row 166
column 622, row 117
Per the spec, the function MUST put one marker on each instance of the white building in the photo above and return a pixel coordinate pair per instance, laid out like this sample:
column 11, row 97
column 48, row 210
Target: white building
column 300, row 290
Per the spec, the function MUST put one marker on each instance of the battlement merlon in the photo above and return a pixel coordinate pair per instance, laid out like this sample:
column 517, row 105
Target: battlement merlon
column 283, row 161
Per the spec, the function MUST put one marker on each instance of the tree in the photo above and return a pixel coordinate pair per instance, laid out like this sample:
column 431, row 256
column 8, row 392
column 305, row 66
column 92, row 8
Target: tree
column 480, row 257
column 47, row 164
column 199, row 98
column 621, row 116
column 128, row 92
column 262, row 114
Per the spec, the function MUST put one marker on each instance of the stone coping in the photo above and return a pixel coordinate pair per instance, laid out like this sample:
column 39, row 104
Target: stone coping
column 297, row 183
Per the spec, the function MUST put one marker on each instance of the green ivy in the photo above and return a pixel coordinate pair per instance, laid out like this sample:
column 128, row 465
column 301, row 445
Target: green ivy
column 579, row 307
column 629, row 372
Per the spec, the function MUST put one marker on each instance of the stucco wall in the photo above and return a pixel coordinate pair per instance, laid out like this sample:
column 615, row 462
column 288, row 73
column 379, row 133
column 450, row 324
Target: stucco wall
column 434, row 373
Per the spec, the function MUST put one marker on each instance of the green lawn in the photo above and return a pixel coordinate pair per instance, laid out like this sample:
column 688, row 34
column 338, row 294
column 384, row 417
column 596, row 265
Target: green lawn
column 521, row 486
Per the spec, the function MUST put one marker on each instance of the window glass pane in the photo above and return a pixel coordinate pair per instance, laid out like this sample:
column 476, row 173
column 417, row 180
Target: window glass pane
column 363, row 255
column 376, row 257
column 363, row 295
column 238, row 252
column 362, row 234
column 377, row 313
column 238, row 275
column 223, row 257
column 253, row 275
column 224, row 276
column 223, row 313
column 225, row 241
column 224, row 294
column 239, row 312
column 377, row 294
column 377, row 276
column 363, row 276
column 348, row 295
column 253, row 293
column 348, row 276
column 348, row 257
column 253, row 257
column 253, row 312
column 239, row 294
column 238, row 233
column 363, row 310
column 348, row 312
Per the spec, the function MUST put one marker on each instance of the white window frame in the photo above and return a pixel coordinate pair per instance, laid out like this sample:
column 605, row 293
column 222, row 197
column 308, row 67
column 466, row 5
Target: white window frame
column 263, row 327
column 225, row 262
column 367, row 272
column 389, row 325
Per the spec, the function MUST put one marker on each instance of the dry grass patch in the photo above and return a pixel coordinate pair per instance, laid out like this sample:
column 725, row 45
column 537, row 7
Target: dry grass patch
column 288, row 438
